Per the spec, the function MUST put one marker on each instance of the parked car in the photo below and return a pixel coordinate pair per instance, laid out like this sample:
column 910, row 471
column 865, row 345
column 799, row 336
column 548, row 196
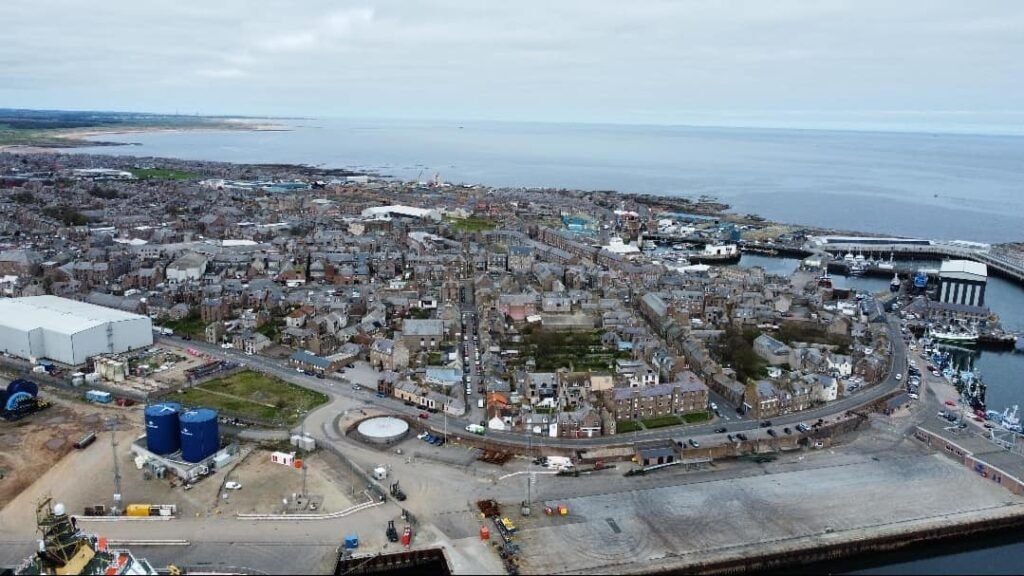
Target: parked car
column 771, row 432
column 741, row 435
column 766, row 423
column 787, row 430
column 231, row 485
column 729, row 437
column 424, row 415
column 694, row 443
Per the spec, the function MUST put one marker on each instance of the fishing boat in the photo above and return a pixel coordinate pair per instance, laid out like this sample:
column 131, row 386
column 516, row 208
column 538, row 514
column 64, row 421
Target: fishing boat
column 717, row 254
column 920, row 281
column 825, row 281
column 1010, row 420
column 954, row 336
column 894, row 286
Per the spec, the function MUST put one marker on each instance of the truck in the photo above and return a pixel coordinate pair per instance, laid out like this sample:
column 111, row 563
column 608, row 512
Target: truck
column 476, row 429
column 99, row 396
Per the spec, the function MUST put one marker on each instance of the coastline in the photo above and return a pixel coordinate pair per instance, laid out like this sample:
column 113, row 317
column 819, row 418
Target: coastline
column 81, row 137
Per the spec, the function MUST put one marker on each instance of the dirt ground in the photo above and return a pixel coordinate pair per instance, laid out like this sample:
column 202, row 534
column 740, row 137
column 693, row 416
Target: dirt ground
column 31, row 446
column 265, row 485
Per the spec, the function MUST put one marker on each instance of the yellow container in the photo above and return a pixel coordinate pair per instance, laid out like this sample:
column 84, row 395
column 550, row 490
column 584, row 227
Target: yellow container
column 137, row 510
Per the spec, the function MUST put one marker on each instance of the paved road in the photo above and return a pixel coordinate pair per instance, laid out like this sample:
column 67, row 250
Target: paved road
column 344, row 398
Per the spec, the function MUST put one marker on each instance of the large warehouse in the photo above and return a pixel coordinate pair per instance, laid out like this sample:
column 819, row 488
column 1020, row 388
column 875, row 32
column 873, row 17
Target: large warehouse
column 68, row 331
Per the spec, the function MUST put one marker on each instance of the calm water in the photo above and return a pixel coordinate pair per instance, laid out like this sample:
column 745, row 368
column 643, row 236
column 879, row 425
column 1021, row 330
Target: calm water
column 929, row 185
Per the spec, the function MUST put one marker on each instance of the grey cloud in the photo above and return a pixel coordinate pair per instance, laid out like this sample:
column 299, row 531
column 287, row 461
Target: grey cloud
column 588, row 60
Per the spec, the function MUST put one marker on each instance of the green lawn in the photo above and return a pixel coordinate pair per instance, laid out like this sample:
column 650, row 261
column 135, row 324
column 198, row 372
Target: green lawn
column 254, row 395
column 661, row 421
column 696, row 417
column 191, row 324
column 471, row 224
column 623, row 426
column 163, row 174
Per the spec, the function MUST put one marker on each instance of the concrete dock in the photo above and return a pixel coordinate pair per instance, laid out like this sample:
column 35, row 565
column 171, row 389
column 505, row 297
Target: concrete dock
column 880, row 485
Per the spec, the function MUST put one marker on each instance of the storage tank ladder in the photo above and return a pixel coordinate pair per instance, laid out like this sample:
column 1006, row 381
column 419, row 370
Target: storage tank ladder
column 110, row 337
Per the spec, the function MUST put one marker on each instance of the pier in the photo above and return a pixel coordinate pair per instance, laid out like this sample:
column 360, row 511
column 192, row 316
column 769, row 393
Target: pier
column 1004, row 266
column 905, row 248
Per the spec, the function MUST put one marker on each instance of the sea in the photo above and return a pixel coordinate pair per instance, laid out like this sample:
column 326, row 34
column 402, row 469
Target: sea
column 942, row 186
column 926, row 185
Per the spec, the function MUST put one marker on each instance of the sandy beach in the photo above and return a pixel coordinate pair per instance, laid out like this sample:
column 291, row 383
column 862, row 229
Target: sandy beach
column 81, row 137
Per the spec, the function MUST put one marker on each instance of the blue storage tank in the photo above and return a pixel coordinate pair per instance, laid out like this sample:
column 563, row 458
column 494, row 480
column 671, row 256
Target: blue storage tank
column 199, row 435
column 163, row 433
column 22, row 385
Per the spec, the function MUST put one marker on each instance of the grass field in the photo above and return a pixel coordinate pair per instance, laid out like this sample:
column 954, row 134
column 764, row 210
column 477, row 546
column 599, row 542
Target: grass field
column 623, row 426
column 254, row 395
column 471, row 224
column 661, row 422
column 696, row 417
column 163, row 174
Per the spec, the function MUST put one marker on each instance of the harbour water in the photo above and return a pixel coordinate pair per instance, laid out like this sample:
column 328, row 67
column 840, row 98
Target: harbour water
column 947, row 186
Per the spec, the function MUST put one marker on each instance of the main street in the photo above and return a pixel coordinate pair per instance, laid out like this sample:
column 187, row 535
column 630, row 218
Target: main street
column 345, row 398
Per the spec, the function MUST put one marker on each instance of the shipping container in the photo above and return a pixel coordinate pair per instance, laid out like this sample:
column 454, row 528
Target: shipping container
column 86, row 440
column 137, row 510
column 98, row 396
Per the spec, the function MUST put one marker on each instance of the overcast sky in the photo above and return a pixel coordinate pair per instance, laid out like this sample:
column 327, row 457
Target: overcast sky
column 658, row 62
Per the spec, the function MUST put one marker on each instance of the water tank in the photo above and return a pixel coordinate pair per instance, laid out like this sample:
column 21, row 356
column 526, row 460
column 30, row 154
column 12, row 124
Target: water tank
column 199, row 435
column 163, row 434
column 22, row 385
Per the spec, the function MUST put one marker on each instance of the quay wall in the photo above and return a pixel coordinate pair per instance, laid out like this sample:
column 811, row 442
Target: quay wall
column 971, row 461
column 824, row 551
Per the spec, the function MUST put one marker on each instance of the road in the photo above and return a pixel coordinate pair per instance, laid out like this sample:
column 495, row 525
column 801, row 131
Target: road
column 344, row 398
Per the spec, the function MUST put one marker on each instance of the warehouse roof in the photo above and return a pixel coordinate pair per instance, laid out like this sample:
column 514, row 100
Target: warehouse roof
column 57, row 314
column 963, row 267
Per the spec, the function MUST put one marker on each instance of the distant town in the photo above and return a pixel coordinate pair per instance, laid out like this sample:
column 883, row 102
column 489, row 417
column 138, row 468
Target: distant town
column 321, row 308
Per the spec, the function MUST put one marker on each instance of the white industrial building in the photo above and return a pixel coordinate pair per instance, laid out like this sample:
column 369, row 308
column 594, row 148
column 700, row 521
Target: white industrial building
column 68, row 331
column 189, row 266
column 380, row 212
column 963, row 282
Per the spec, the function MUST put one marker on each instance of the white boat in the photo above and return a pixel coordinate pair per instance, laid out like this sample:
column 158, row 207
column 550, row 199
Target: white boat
column 1010, row 420
column 954, row 336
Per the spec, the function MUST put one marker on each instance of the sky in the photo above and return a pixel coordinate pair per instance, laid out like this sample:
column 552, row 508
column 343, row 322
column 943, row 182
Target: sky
column 732, row 62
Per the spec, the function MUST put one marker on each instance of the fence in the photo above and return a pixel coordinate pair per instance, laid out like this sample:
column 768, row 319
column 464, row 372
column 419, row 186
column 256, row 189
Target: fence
column 372, row 486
